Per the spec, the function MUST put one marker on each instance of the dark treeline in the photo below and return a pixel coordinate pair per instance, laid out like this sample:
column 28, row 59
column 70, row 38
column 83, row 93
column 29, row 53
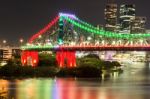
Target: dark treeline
column 88, row 66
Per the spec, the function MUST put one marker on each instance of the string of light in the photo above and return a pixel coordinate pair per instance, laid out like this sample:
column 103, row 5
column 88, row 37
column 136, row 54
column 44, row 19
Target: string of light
column 89, row 28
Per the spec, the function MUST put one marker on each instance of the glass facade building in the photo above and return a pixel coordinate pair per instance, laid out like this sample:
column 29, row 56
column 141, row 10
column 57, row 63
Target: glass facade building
column 127, row 15
column 138, row 25
column 110, row 17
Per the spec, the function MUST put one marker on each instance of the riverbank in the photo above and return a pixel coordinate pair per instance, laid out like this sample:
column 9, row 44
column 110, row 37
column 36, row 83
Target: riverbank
column 31, row 72
column 89, row 66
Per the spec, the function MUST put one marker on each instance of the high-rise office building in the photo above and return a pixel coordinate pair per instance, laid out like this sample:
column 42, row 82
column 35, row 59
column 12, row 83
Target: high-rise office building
column 127, row 15
column 110, row 17
column 138, row 25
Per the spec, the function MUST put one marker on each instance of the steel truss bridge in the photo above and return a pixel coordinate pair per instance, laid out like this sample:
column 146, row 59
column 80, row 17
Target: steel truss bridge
column 67, row 33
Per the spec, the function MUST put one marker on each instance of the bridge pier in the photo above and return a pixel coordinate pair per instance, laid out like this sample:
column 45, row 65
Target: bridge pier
column 29, row 58
column 63, row 58
column 66, row 59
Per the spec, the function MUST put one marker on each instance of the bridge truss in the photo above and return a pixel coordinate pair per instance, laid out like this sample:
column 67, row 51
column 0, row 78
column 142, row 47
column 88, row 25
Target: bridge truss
column 66, row 34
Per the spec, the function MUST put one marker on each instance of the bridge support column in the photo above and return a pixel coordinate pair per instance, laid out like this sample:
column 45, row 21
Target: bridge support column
column 66, row 59
column 29, row 58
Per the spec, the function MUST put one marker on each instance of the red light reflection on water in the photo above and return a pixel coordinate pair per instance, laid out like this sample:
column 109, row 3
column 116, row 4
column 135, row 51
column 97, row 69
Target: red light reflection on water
column 64, row 89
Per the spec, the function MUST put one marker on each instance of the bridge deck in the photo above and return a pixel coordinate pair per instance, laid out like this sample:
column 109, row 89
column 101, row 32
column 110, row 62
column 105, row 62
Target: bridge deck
column 90, row 48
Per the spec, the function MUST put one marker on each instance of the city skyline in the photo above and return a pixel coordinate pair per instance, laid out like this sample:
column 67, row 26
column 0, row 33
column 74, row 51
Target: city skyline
column 22, row 19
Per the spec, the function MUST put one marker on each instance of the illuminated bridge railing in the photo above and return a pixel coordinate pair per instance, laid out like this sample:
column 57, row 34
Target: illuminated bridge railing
column 87, row 48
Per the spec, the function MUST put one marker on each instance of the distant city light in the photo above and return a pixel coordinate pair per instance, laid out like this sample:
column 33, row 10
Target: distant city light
column 40, row 36
column 4, row 41
column 21, row 40
column 89, row 38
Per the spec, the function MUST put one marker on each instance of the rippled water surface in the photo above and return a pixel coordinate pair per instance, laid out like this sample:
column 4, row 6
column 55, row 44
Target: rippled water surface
column 134, row 83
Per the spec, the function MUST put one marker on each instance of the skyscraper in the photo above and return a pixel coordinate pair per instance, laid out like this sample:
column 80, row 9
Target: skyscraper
column 127, row 15
column 110, row 16
column 138, row 25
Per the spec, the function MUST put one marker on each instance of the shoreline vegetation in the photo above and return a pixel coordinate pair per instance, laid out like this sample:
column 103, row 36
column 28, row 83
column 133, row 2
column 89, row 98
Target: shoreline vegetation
column 89, row 66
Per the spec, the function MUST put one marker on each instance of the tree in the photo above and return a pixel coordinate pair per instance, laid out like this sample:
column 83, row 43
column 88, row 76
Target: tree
column 86, row 61
column 115, row 63
column 92, row 56
column 47, row 60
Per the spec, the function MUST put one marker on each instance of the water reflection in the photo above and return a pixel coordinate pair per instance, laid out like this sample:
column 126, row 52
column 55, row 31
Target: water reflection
column 133, row 86
column 3, row 88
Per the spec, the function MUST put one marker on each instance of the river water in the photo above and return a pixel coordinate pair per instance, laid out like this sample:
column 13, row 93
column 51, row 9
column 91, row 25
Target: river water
column 134, row 83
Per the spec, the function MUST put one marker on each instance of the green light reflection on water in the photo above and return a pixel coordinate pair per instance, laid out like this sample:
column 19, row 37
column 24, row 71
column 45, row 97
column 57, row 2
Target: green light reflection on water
column 35, row 89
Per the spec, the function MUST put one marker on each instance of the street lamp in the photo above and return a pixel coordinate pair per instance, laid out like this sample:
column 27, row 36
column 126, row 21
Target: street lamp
column 21, row 40
column 4, row 42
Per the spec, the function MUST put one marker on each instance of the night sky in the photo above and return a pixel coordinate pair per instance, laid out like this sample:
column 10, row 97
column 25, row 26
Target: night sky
column 23, row 18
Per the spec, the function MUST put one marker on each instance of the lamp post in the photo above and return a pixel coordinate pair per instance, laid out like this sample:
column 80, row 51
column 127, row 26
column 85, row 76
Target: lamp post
column 4, row 43
column 21, row 41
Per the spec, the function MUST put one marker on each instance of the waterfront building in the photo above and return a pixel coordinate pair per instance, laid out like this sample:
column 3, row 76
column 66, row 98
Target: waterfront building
column 8, row 53
column 127, row 15
column 138, row 25
column 110, row 17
